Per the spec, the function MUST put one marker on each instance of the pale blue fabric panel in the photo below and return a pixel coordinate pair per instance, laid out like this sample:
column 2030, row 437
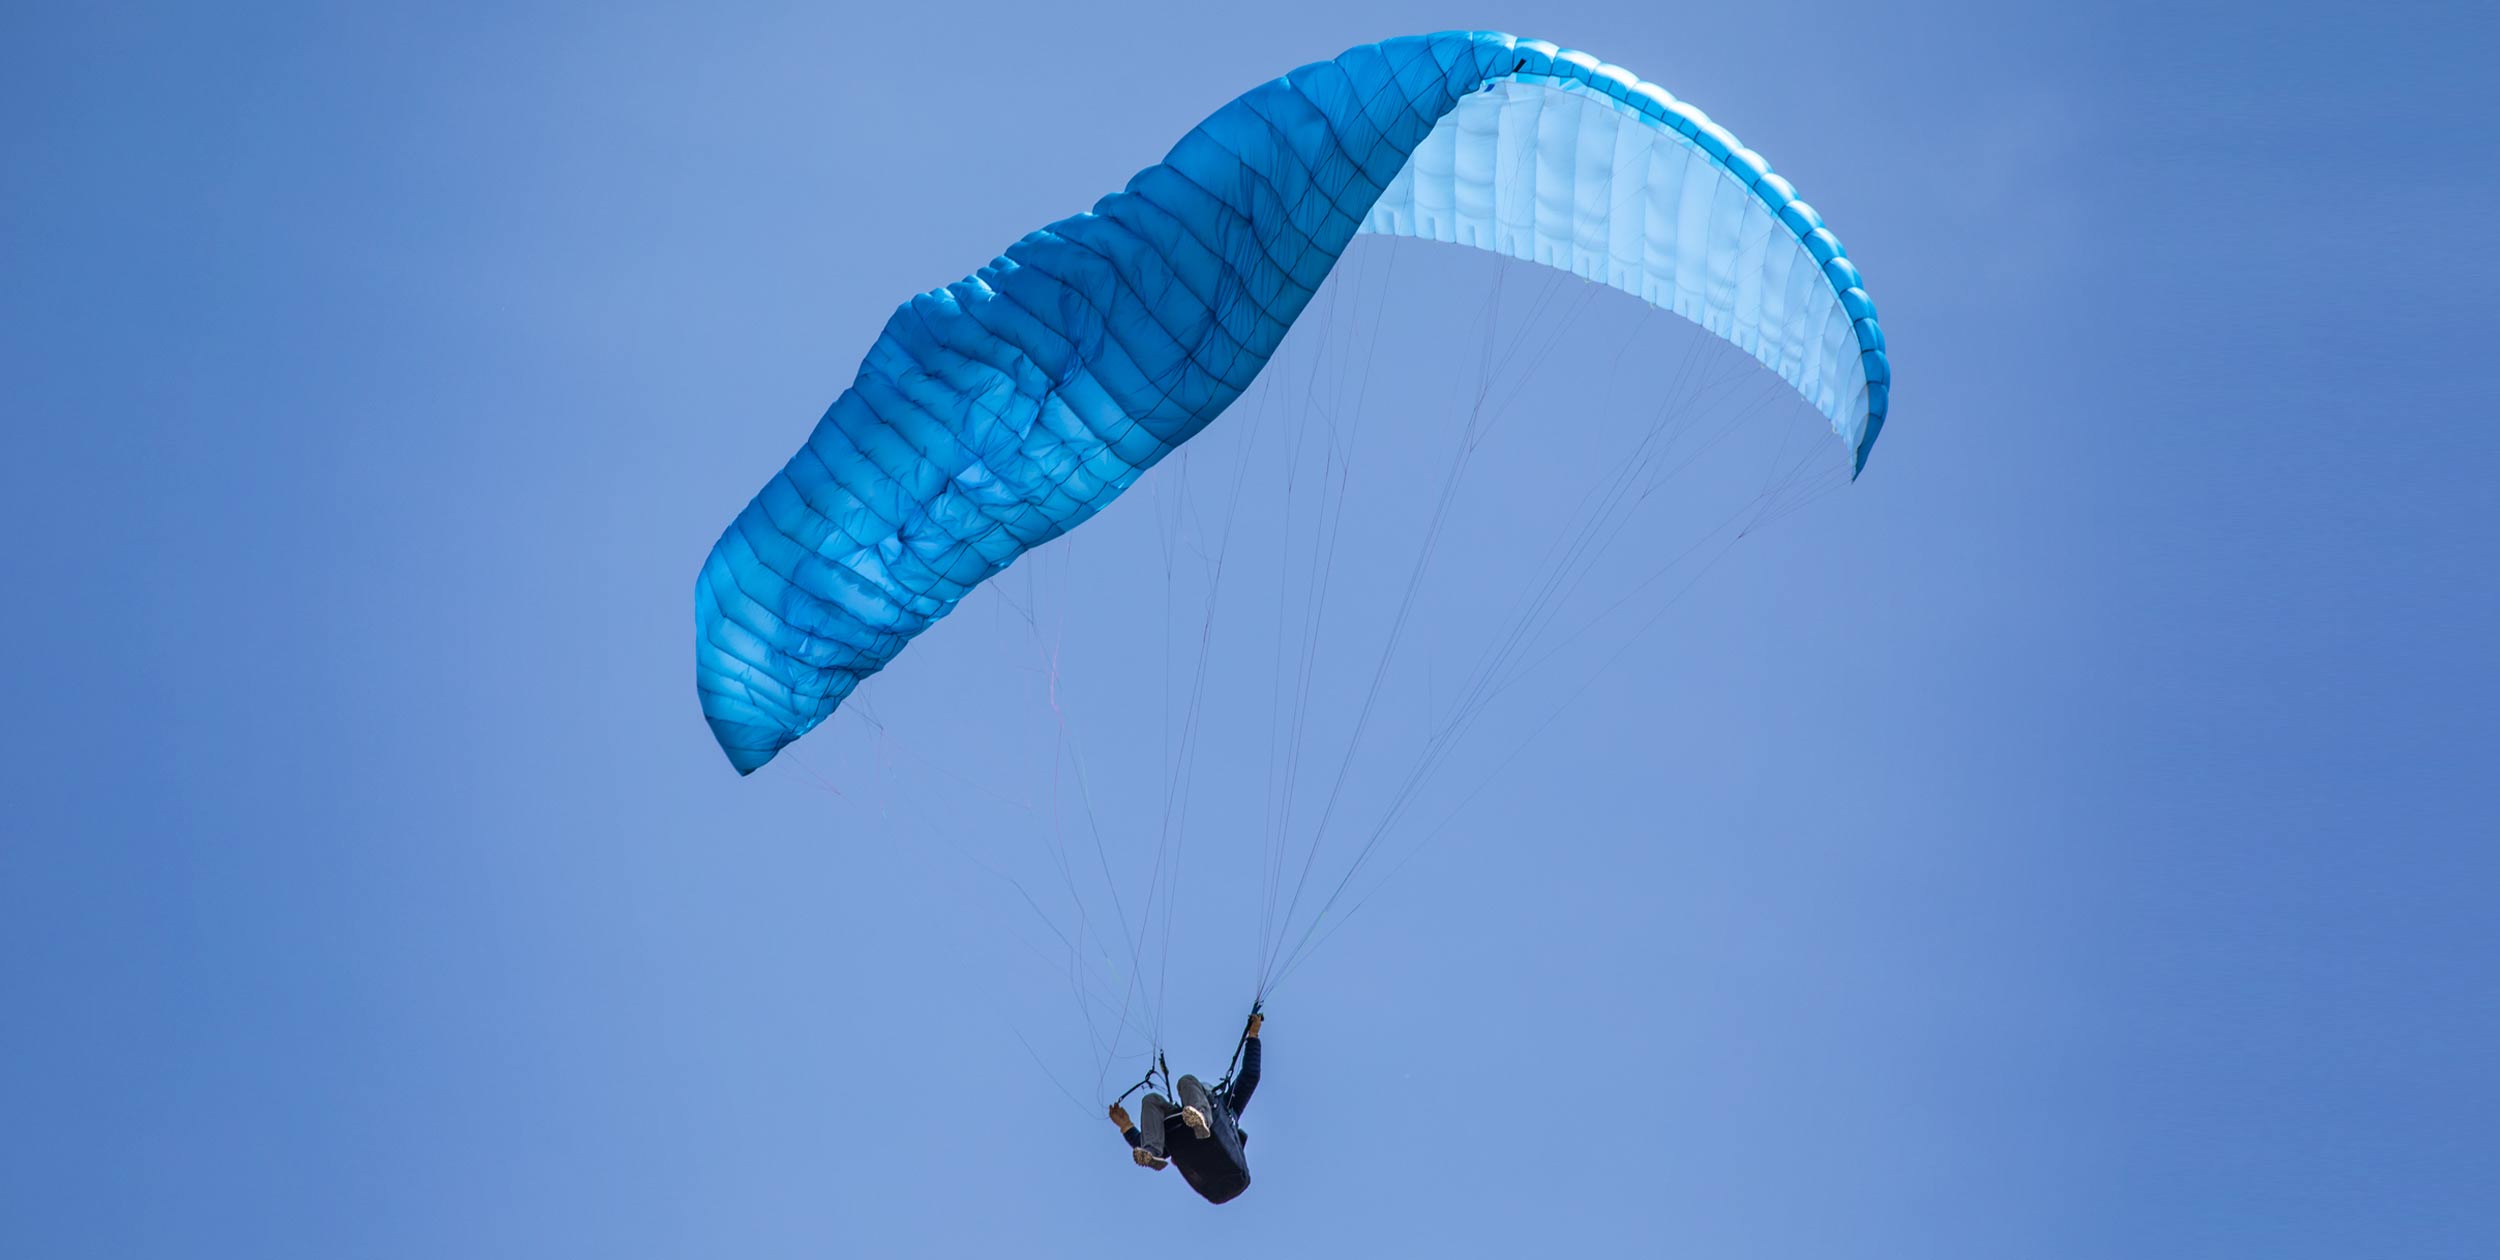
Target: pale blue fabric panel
column 1560, row 171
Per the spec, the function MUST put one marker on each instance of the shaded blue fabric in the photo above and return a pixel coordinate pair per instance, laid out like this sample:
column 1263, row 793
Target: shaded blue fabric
column 1002, row 410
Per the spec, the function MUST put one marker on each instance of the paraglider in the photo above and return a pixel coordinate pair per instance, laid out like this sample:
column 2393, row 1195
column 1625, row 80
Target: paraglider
column 1199, row 1129
column 998, row 412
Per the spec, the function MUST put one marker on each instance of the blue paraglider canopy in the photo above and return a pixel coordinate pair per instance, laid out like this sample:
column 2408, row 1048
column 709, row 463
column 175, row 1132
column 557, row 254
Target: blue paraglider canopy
column 998, row 412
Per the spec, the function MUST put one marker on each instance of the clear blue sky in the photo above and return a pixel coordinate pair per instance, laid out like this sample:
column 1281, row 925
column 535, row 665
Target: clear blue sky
column 2076, row 839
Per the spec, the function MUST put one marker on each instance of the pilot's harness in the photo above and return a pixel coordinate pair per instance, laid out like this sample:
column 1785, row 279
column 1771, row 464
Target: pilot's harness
column 1223, row 1088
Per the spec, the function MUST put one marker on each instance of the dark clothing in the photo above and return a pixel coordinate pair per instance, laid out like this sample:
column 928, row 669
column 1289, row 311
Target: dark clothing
column 1215, row 1165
